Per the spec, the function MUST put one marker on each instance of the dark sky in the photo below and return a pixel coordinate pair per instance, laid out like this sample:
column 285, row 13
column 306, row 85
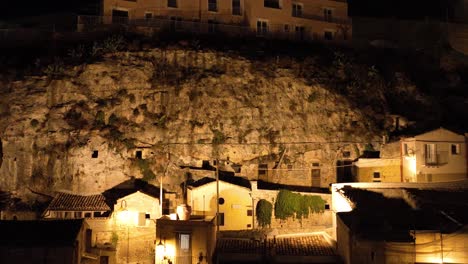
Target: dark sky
column 405, row 9
column 373, row 8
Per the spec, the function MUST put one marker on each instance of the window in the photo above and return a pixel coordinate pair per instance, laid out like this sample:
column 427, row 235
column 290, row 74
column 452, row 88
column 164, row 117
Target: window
column 376, row 177
column 316, row 177
column 455, row 149
column 286, row 28
column 430, row 153
column 148, row 216
column 328, row 35
column 327, row 207
column 148, row 15
column 78, row 215
column 213, row 5
column 212, row 28
column 300, row 32
column 236, row 7
column 296, row 10
column 141, row 219
column 249, row 212
column 176, row 23
column 405, row 149
column 87, row 215
column 221, row 219
column 139, row 154
column 95, row 154
column 290, row 167
column 327, row 14
column 172, row 3
column 271, row 3
column 221, row 200
column 262, row 28
column 262, row 169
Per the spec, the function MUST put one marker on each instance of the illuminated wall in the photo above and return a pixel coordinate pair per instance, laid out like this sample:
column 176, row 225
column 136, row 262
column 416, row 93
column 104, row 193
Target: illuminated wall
column 388, row 170
column 236, row 203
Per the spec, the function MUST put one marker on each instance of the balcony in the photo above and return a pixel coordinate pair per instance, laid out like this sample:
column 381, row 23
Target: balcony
column 329, row 19
column 437, row 159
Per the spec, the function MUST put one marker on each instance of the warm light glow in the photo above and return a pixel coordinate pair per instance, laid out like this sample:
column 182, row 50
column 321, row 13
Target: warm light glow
column 340, row 203
column 124, row 217
column 173, row 216
column 439, row 260
column 412, row 165
column 164, row 251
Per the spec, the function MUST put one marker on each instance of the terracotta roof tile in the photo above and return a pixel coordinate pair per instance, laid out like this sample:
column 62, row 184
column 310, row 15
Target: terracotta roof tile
column 73, row 202
column 307, row 245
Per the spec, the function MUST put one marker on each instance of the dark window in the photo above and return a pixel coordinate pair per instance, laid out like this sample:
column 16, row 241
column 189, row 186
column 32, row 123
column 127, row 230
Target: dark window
column 249, row 225
column 139, row 154
column 221, row 219
column 249, row 212
column 148, row 16
column 327, row 14
column 271, row 3
column 300, row 32
column 296, row 10
column 346, row 154
column 96, row 214
column 455, row 148
column 290, row 167
column 327, row 207
column 95, row 154
column 315, row 164
column 172, row 3
column 221, row 200
column 87, row 215
column 262, row 169
column 212, row 27
column 376, row 175
column 147, row 216
column 236, row 7
column 405, row 149
column 286, row 28
column 213, row 5
column 328, row 35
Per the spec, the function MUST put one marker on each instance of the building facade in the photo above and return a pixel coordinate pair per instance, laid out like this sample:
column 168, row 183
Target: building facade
column 286, row 19
column 435, row 156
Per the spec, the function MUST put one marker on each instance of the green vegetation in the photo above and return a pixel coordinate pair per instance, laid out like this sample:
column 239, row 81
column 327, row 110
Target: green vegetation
column 218, row 137
column 145, row 169
column 263, row 212
column 289, row 204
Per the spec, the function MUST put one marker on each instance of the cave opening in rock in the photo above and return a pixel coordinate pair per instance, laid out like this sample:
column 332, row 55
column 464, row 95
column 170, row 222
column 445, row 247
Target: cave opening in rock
column 95, row 154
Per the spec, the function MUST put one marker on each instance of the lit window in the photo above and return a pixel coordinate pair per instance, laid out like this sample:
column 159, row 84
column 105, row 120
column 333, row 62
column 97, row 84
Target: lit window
column 430, row 153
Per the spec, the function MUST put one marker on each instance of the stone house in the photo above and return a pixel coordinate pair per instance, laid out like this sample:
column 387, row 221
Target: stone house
column 69, row 206
column 185, row 241
column 426, row 226
column 299, row 20
column 235, row 201
column 45, row 241
column 435, row 156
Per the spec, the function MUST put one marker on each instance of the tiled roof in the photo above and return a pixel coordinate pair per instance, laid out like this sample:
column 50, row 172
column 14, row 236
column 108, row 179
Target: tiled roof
column 73, row 202
column 225, row 177
column 39, row 233
column 231, row 245
column 307, row 245
column 313, row 245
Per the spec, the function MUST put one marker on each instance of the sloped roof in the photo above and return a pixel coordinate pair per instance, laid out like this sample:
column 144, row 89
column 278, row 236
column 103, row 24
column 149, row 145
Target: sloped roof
column 294, row 188
column 377, row 217
column 39, row 233
column 128, row 187
column 225, row 177
column 73, row 202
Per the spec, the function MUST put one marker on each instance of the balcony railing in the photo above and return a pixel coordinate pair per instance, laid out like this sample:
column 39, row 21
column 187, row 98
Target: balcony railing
column 437, row 159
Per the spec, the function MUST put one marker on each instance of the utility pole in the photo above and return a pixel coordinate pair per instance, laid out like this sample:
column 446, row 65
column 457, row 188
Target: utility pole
column 217, row 195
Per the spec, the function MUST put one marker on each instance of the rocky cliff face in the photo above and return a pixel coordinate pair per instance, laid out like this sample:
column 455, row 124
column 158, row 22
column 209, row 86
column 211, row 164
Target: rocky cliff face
column 145, row 114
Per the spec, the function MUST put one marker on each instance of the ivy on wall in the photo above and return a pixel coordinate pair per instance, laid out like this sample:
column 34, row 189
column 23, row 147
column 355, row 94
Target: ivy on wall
column 289, row 204
column 263, row 212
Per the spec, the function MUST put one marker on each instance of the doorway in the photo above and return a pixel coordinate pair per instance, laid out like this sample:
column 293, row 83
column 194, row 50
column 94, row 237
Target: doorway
column 184, row 248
